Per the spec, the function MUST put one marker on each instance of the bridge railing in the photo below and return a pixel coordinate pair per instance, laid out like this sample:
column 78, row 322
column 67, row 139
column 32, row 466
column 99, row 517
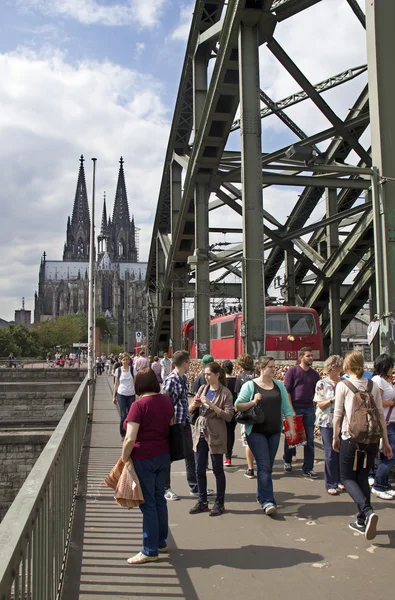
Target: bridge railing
column 35, row 532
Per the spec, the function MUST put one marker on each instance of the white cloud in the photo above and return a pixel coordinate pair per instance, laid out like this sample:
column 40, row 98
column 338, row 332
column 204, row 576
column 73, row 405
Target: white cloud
column 181, row 32
column 52, row 112
column 140, row 47
column 145, row 13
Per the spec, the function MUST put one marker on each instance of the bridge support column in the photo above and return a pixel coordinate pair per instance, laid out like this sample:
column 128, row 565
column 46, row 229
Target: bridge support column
column 160, row 273
column 178, row 291
column 290, row 279
column 253, row 328
column 202, row 193
column 332, row 234
column 175, row 192
column 380, row 19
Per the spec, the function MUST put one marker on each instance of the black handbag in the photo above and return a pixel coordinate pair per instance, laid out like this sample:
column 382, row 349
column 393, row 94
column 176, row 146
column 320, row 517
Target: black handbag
column 252, row 416
column 176, row 442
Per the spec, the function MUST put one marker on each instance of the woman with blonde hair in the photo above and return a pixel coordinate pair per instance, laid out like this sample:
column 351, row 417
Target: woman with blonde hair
column 264, row 438
column 357, row 457
column 325, row 402
column 124, row 392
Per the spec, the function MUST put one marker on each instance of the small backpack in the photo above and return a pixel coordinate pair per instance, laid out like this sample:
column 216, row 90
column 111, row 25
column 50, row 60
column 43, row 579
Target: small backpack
column 364, row 420
column 119, row 371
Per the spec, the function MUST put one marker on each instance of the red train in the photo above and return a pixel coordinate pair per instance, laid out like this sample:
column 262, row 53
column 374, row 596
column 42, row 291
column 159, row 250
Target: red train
column 288, row 328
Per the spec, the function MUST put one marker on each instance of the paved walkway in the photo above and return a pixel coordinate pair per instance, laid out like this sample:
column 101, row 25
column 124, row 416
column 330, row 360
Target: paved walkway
column 307, row 552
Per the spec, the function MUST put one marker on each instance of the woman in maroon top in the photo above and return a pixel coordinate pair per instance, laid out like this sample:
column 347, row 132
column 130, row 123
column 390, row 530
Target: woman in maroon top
column 147, row 444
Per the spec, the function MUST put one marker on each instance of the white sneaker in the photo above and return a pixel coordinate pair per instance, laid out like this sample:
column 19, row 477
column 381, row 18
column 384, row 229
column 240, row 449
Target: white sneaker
column 371, row 481
column 270, row 509
column 391, row 492
column 383, row 495
column 170, row 495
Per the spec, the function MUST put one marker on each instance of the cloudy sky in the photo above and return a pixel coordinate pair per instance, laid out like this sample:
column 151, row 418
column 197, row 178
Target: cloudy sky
column 99, row 78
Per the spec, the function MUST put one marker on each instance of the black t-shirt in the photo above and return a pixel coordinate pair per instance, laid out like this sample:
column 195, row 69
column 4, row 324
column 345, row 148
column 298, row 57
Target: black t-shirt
column 199, row 381
column 242, row 378
column 271, row 405
column 230, row 384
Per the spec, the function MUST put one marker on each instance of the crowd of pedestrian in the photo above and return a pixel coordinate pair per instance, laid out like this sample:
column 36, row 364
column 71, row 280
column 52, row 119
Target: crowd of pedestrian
column 351, row 408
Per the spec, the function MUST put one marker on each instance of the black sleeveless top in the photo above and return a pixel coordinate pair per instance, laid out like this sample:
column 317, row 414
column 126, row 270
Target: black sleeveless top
column 271, row 405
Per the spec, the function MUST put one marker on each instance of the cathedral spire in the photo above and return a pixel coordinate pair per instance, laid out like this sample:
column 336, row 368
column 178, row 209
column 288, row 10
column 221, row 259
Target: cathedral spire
column 78, row 228
column 81, row 208
column 104, row 224
column 120, row 214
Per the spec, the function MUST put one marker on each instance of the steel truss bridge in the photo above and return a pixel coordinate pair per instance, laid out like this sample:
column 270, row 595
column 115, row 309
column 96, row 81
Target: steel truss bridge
column 333, row 264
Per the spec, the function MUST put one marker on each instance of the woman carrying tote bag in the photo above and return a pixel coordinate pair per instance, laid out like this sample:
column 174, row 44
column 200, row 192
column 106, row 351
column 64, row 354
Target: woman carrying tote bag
column 264, row 438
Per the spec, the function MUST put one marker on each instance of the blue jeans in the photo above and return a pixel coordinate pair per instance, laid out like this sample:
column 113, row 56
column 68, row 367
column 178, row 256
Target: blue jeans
column 308, row 422
column 124, row 403
column 332, row 469
column 264, row 449
column 385, row 465
column 354, row 473
column 201, row 459
column 151, row 473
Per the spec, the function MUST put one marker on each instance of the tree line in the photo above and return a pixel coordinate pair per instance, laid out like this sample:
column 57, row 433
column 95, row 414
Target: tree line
column 43, row 337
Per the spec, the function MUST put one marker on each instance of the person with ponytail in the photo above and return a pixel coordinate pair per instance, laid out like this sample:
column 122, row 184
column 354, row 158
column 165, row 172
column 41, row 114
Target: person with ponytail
column 211, row 408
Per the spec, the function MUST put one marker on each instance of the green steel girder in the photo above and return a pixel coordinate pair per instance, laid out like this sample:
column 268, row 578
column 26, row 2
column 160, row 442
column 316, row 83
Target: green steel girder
column 355, row 297
column 343, row 260
column 337, row 151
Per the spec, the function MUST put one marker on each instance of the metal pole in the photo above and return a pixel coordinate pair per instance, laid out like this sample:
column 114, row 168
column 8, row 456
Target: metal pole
column 332, row 236
column 90, row 295
column 253, row 328
column 202, row 194
column 126, row 311
column 380, row 19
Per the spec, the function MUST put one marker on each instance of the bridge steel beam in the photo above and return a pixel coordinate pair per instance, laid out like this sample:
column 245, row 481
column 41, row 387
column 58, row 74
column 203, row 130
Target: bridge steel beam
column 380, row 19
column 251, row 171
column 334, row 285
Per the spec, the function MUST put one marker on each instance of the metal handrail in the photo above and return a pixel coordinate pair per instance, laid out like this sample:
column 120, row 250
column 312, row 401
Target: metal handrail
column 35, row 532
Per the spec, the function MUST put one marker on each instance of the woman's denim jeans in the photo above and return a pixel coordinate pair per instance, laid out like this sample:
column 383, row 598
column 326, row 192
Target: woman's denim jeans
column 124, row 404
column 332, row 471
column 201, row 458
column 151, row 473
column 381, row 482
column 264, row 449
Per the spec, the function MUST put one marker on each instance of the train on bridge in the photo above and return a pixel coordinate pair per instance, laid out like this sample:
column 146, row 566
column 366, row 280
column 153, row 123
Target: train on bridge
column 288, row 329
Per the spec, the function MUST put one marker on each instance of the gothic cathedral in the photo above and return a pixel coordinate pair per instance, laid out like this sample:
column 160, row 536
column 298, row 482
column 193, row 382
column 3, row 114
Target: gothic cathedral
column 63, row 284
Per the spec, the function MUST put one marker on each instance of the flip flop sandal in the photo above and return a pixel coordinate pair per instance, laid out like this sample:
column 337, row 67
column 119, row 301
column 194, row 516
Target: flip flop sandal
column 141, row 558
column 333, row 492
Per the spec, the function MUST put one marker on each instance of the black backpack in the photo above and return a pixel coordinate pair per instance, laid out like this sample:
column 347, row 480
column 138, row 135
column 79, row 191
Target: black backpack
column 119, row 370
column 243, row 377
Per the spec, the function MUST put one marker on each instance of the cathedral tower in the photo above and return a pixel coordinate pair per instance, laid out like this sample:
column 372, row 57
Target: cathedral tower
column 76, row 247
column 121, row 231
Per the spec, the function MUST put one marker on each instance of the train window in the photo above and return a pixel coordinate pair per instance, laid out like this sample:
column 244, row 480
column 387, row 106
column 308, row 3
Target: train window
column 302, row 324
column 227, row 329
column 276, row 323
column 214, row 331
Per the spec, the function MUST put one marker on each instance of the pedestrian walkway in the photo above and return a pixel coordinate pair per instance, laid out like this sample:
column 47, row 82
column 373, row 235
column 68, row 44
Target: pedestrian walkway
column 307, row 552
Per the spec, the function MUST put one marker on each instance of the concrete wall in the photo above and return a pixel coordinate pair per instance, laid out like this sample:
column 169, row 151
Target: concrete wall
column 30, row 408
column 45, row 374
column 18, row 454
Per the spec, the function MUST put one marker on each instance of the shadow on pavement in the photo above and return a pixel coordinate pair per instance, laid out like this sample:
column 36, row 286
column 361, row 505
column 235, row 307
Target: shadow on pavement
column 247, row 557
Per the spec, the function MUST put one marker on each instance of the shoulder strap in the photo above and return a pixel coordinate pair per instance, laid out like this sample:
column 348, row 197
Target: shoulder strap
column 119, row 372
column 389, row 413
column 369, row 387
column 350, row 386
